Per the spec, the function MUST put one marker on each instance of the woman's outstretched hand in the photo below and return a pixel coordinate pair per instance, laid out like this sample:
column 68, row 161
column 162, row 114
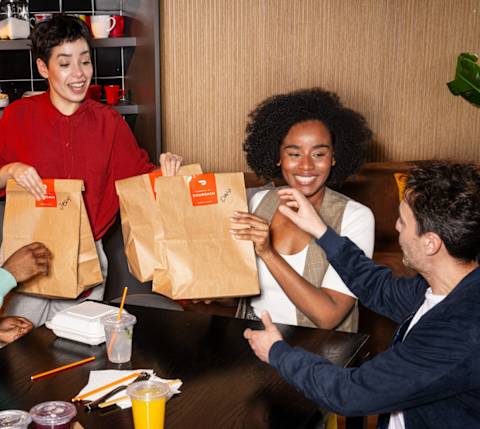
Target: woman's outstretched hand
column 306, row 217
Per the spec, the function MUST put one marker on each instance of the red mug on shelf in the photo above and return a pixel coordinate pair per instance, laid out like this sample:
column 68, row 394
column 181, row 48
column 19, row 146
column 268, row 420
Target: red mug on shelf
column 95, row 92
column 113, row 93
column 117, row 31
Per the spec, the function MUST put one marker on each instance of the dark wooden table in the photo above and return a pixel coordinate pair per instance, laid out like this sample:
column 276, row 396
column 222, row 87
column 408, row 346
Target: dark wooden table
column 225, row 385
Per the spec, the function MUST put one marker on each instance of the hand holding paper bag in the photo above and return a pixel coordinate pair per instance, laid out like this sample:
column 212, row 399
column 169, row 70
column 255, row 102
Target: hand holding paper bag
column 59, row 221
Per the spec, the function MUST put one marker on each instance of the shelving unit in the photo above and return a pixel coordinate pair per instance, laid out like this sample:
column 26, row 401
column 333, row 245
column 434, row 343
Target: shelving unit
column 111, row 42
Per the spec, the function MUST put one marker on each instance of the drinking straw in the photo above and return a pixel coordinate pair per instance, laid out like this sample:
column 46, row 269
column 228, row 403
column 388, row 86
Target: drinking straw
column 107, row 386
column 119, row 317
column 62, row 368
column 125, row 289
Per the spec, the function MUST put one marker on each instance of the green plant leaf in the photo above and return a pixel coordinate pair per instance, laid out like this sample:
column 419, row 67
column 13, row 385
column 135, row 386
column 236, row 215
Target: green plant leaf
column 467, row 78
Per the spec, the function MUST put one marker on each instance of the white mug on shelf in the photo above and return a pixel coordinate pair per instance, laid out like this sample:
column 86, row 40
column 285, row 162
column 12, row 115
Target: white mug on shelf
column 102, row 25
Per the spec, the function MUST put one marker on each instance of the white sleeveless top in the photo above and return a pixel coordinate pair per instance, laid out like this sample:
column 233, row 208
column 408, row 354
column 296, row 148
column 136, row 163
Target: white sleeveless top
column 357, row 224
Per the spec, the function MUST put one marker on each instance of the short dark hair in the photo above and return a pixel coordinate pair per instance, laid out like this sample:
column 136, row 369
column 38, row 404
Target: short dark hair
column 445, row 199
column 60, row 29
column 271, row 120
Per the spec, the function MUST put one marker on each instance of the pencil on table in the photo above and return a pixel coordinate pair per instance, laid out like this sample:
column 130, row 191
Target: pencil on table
column 61, row 368
column 99, row 389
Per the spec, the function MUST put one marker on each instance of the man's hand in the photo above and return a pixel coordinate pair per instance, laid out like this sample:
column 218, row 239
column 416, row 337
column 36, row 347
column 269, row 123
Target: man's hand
column 262, row 341
column 257, row 230
column 170, row 163
column 28, row 261
column 14, row 327
column 27, row 177
column 306, row 217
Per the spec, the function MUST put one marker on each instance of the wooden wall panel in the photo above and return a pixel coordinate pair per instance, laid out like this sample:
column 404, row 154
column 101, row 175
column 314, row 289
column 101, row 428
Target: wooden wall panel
column 389, row 59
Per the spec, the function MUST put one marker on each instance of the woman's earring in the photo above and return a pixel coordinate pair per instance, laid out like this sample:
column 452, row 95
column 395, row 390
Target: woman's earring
column 278, row 164
column 333, row 162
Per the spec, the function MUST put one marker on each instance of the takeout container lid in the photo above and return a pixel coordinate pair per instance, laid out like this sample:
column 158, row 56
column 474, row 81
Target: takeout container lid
column 14, row 419
column 82, row 322
column 53, row 413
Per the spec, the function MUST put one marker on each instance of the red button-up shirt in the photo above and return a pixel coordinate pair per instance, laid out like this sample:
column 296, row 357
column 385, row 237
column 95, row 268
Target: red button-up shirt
column 94, row 144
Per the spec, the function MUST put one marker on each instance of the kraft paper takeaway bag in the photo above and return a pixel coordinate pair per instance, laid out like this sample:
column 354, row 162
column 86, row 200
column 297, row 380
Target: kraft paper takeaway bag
column 137, row 211
column 201, row 258
column 61, row 223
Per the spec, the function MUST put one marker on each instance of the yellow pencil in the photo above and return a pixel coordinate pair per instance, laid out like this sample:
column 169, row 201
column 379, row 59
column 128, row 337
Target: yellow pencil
column 61, row 368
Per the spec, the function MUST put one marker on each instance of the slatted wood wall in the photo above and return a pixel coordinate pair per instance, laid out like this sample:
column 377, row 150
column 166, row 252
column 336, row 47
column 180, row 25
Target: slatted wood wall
column 389, row 59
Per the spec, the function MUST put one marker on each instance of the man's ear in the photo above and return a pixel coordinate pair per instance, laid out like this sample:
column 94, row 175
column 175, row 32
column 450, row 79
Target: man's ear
column 42, row 68
column 432, row 243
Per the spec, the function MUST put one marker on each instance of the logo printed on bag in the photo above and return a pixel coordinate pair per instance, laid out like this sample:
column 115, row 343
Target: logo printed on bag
column 152, row 176
column 50, row 195
column 203, row 189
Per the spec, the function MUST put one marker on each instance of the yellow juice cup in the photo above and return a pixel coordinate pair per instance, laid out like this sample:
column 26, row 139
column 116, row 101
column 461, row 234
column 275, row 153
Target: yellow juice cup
column 148, row 403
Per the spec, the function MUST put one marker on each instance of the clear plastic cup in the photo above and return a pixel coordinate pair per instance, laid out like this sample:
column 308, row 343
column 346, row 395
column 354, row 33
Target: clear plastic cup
column 148, row 403
column 119, row 336
column 53, row 415
column 14, row 419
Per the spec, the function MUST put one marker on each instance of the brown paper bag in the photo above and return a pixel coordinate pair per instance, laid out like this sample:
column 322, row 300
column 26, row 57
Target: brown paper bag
column 200, row 257
column 61, row 223
column 137, row 211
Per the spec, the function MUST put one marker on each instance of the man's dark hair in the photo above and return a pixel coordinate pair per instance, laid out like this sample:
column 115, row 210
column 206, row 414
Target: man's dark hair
column 445, row 199
column 56, row 31
column 271, row 120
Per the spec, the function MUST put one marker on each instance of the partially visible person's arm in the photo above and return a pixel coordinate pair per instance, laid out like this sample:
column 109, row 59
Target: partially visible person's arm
column 374, row 285
column 25, row 263
column 434, row 363
column 7, row 283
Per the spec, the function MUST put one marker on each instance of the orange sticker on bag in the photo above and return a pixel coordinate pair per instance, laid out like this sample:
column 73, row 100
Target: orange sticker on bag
column 203, row 189
column 50, row 195
column 152, row 176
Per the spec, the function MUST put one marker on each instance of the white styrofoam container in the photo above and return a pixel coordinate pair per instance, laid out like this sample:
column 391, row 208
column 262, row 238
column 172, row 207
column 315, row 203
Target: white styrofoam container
column 82, row 322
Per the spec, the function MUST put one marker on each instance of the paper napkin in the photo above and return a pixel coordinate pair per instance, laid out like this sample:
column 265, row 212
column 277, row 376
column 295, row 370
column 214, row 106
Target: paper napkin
column 104, row 377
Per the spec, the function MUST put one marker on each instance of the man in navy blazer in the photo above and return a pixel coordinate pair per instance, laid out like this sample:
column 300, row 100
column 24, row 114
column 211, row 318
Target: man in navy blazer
column 430, row 376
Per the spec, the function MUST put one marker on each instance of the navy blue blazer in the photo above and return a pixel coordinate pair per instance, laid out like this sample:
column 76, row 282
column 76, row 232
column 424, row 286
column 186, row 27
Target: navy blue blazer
column 433, row 375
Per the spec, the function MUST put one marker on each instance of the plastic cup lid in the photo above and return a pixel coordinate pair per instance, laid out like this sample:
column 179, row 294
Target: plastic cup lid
column 127, row 319
column 14, row 419
column 53, row 412
column 147, row 390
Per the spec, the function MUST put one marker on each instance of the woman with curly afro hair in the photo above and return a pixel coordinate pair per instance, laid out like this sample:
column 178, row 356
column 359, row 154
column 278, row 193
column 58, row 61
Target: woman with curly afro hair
column 308, row 138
